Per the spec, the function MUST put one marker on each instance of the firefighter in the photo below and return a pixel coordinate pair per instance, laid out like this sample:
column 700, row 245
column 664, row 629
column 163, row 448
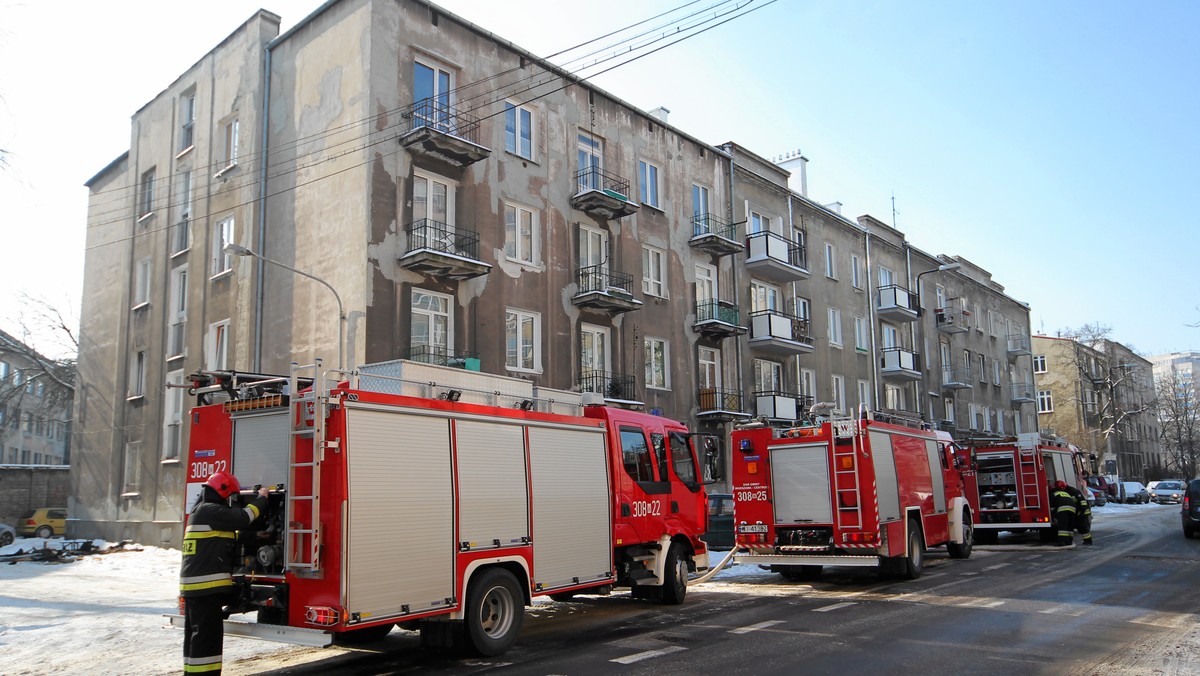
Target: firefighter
column 1083, row 515
column 1064, row 513
column 206, row 575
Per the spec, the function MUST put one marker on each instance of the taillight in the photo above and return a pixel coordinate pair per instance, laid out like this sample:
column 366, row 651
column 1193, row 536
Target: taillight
column 323, row 616
column 182, row 606
column 1186, row 500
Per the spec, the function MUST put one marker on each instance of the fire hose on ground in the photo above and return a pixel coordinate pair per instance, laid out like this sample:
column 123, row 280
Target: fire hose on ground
column 715, row 569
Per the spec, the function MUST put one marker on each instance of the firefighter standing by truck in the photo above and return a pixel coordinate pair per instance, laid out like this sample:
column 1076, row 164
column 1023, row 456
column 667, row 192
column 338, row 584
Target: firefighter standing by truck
column 1064, row 505
column 1083, row 515
column 205, row 577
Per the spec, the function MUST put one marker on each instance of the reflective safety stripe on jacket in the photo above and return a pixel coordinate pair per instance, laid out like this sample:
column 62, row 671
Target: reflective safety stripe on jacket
column 209, row 545
column 1064, row 501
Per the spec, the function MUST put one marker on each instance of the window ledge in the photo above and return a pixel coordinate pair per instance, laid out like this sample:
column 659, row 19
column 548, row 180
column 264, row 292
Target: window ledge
column 173, row 357
column 526, row 265
column 185, row 151
column 221, row 274
column 140, row 306
column 514, row 369
column 520, row 157
column 170, row 461
column 181, row 252
column 145, row 217
column 135, row 397
column 228, row 168
column 133, row 495
column 654, row 207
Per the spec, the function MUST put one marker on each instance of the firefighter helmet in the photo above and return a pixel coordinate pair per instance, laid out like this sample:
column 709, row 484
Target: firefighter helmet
column 1060, row 484
column 224, row 483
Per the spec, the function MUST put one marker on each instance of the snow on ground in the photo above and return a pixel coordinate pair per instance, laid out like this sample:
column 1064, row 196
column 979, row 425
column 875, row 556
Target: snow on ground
column 103, row 613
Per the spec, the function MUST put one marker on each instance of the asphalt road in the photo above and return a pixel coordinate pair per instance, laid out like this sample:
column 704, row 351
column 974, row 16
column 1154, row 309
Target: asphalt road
column 1127, row 605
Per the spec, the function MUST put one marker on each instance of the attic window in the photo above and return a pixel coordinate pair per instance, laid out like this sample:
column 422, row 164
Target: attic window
column 434, row 19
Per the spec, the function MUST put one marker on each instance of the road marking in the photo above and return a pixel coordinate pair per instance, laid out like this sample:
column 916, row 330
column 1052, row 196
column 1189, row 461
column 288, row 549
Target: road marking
column 998, row 565
column 968, row 573
column 647, row 655
column 755, row 627
column 836, row 606
column 980, row 603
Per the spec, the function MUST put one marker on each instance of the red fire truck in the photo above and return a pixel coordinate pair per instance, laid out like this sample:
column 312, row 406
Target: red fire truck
column 848, row 492
column 1014, row 476
column 441, row 499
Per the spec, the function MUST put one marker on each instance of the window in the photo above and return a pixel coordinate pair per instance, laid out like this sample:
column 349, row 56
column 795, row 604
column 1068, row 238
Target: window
column 175, row 339
column 864, row 394
column 181, row 239
column 706, row 291
column 940, row 298
column 187, row 121
column 432, row 330
column 654, row 272
column 768, row 376
column 432, row 86
column 808, row 384
column 759, row 223
column 709, row 373
column 4, row 371
column 979, row 317
column 216, row 345
column 855, row 272
column 835, row 327
column 983, row 368
column 518, row 130
column 648, row 184
column 433, row 200
column 987, row 419
column 830, row 261
column 132, row 471
column 861, row 342
column 699, row 201
column 803, row 308
column 886, row 277
column 1039, row 363
column 893, row 397
column 173, row 416
column 949, row 413
column 891, row 335
column 593, row 256
column 223, row 234
column 995, row 371
column 764, row 296
column 137, row 374
column 146, row 197
column 593, row 354
column 141, row 283
column 231, row 143
column 657, row 370
column 682, row 459
column 520, row 234
column 522, row 340
column 1045, row 401
column 589, row 161
column 638, row 461
column 838, row 384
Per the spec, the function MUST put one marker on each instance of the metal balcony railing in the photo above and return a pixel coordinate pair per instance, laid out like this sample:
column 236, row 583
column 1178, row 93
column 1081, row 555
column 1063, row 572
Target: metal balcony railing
column 717, row 310
column 595, row 178
column 956, row 375
column 896, row 297
column 898, row 358
column 781, row 325
column 427, row 233
column 712, row 399
column 445, row 118
column 610, row 385
column 776, row 246
column 599, row 278
column 438, row 355
column 712, row 224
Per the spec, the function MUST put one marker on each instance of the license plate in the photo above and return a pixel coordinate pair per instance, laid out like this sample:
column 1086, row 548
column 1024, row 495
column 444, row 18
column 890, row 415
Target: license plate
column 753, row 528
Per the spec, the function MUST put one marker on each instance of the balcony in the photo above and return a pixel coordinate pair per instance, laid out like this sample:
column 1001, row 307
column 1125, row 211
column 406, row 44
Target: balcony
column 956, row 378
column 775, row 257
column 440, row 355
column 606, row 291
column 953, row 320
column 715, row 235
column 610, row 385
column 898, row 363
column 441, row 132
column 778, row 333
column 777, row 405
column 717, row 319
column 441, row 250
column 720, row 405
column 896, row 303
column 1018, row 345
column 602, row 194
column 1023, row 393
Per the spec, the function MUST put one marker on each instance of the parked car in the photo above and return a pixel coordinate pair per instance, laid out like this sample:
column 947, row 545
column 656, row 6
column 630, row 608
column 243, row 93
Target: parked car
column 1096, row 497
column 720, row 521
column 7, row 534
column 1133, row 492
column 44, row 522
column 1190, row 510
column 1104, row 486
column 1169, row 491
column 1150, row 487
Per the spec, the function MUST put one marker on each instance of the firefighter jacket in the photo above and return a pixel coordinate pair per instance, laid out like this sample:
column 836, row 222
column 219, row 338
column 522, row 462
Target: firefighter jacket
column 1062, row 501
column 1081, row 503
column 209, row 545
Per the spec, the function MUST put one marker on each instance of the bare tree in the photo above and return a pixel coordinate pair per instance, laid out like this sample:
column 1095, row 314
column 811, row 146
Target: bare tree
column 1179, row 413
column 34, row 380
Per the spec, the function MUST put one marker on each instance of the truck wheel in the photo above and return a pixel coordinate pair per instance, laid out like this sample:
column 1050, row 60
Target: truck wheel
column 44, row 532
column 494, row 612
column 963, row 550
column 360, row 636
column 563, row 596
column 987, row 537
column 914, row 562
column 800, row 573
column 1047, row 535
column 675, row 574
column 1189, row 532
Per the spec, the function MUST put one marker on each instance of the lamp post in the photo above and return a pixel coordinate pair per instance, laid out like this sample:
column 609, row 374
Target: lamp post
column 941, row 268
column 238, row 250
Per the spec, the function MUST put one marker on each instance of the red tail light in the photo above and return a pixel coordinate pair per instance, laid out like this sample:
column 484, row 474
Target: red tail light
column 1186, row 500
column 321, row 615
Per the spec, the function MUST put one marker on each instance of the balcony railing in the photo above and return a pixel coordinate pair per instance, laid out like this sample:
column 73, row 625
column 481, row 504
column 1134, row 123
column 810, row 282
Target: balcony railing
column 715, row 235
column 1023, row 393
column 608, row 384
column 606, row 290
column 441, row 355
column 956, row 377
column 440, row 249
column 898, row 362
column 1018, row 345
column 896, row 302
column 725, row 404
column 780, row 405
column 772, row 255
column 440, row 131
column 953, row 320
column 718, row 318
column 602, row 194
column 780, row 332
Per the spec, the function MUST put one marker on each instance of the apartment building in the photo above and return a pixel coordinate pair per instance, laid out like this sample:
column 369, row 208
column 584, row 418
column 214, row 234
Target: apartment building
column 35, row 406
column 1099, row 395
column 427, row 190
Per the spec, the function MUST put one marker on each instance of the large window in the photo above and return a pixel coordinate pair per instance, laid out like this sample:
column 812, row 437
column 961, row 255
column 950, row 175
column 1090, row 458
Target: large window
column 648, row 184
column 1039, row 363
column 657, row 361
column 432, row 324
column 432, row 85
column 223, row 234
column 699, row 200
column 835, row 327
column 187, row 120
column 891, row 335
column 178, row 312
column 709, row 373
column 181, row 239
column 768, row 376
column 433, row 198
column 520, row 234
column 173, row 416
column 137, row 374
column 593, row 352
column 765, row 296
column 654, row 280
column 522, row 340
column 141, row 283
column 146, row 196
column 518, row 130
column 1045, row 401
column 216, row 345
column 758, row 223
column 589, row 161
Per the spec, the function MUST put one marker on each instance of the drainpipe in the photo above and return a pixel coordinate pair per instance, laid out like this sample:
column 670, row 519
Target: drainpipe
column 261, row 236
column 736, row 284
column 873, row 319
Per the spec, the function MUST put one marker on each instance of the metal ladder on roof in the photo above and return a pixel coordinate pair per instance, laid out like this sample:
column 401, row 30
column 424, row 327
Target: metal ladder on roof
column 306, row 448
column 845, row 477
column 1031, row 488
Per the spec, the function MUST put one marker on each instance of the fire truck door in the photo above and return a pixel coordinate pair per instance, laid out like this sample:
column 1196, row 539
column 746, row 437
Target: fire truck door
column 936, row 471
column 399, row 545
column 260, row 449
column 493, row 505
column 885, row 476
column 800, row 477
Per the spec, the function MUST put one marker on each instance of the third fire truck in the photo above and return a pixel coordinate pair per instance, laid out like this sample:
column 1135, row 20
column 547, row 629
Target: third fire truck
column 848, row 492
column 1014, row 476
column 441, row 499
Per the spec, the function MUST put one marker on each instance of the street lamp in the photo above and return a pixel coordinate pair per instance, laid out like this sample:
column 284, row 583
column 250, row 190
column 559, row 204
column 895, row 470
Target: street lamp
column 239, row 250
column 920, row 302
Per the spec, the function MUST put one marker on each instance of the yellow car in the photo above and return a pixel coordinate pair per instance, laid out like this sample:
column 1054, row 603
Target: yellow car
column 43, row 523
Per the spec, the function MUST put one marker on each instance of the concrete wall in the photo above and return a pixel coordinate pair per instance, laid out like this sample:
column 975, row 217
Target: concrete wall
column 26, row 488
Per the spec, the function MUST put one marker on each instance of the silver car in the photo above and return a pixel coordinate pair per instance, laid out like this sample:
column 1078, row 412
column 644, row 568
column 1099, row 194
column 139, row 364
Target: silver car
column 1168, row 492
column 7, row 534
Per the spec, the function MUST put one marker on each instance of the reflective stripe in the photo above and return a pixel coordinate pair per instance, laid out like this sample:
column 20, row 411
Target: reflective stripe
column 252, row 510
column 201, row 661
column 210, row 534
column 192, row 528
column 215, row 584
column 201, row 668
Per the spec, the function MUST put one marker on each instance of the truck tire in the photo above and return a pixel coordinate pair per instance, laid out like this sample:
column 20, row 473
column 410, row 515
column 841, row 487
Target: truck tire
column 914, row 561
column 360, row 636
column 987, row 537
column 799, row 573
column 563, row 596
column 1189, row 532
column 1047, row 535
column 962, row 550
column 675, row 575
column 494, row 612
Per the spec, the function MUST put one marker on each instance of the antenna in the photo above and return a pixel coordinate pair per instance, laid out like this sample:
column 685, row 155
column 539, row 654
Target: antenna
column 894, row 212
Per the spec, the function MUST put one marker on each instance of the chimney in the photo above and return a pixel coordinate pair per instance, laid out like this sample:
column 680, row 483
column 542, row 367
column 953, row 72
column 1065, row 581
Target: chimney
column 661, row 113
column 796, row 163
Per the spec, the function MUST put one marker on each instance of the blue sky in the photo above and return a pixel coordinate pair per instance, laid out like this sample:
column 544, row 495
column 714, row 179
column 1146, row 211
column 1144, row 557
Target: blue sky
column 1052, row 143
